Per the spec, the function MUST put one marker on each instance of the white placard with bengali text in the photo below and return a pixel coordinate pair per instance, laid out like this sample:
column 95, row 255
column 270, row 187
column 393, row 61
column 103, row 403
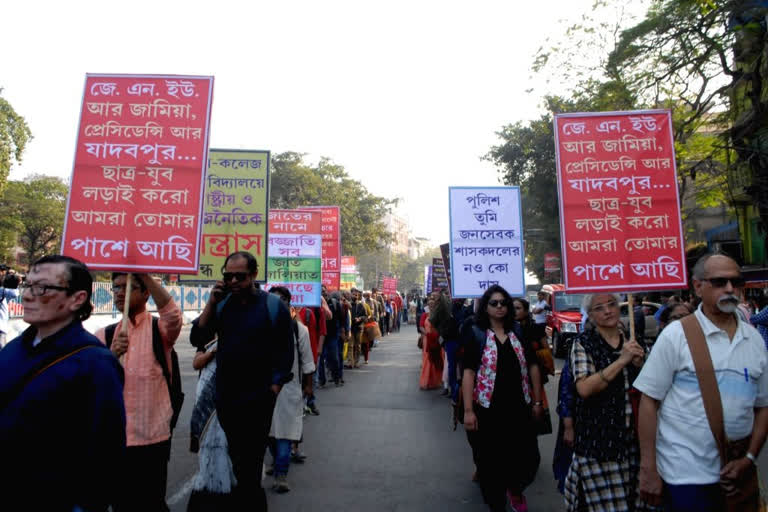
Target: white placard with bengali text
column 486, row 240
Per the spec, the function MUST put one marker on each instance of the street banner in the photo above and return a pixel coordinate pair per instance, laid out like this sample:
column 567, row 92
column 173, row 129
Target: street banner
column 331, row 231
column 445, row 253
column 427, row 279
column 620, row 224
column 136, row 194
column 486, row 240
column 294, row 253
column 349, row 272
column 439, row 277
column 235, row 210
column 389, row 286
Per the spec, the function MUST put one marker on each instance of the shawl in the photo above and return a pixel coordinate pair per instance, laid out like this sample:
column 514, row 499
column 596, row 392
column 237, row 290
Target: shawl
column 486, row 374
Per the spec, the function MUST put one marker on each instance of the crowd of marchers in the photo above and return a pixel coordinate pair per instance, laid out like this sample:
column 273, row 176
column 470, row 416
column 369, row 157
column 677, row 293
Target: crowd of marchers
column 92, row 415
column 674, row 425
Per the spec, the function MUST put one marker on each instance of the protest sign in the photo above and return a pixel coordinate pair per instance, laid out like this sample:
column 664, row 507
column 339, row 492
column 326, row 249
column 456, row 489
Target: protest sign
column 136, row 190
column 427, row 279
column 439, row 276
column 294, row 253
column 445, row 253
column 486, row 240
column 349, row 272
column 620, row 220
column 389, row 286
column 331, row 224
column 235, row 210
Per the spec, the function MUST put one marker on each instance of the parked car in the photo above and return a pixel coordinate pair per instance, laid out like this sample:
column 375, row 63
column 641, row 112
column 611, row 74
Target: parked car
column 564, row 318
column 651, row 326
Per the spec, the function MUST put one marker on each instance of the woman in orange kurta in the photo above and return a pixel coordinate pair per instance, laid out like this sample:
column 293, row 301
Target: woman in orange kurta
column 431, row 354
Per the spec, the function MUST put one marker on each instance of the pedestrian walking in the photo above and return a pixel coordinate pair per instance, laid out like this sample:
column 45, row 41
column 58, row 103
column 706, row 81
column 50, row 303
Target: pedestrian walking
column 431, row 352
column 540, row 309
column 143, row 344
column 62, row 426
column 359, row 315
column 287, row 419
column 8, row 292
column 501, row 386
column 603, row 472
column 673, row 312
column 704, row 409
column 255, row 339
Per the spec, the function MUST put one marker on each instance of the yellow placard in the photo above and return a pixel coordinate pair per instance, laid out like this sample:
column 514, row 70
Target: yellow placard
column 235, row 213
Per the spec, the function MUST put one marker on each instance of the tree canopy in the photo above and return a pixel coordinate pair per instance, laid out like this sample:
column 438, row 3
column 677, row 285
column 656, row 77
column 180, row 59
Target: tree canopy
column 14, row 135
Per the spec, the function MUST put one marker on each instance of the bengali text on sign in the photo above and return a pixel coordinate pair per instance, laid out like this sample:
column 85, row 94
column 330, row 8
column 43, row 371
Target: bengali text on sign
column 136, row 190
column 619, row 206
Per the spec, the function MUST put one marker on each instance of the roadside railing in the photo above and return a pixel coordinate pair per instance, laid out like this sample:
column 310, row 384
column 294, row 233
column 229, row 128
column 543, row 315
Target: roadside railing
column 188, row 297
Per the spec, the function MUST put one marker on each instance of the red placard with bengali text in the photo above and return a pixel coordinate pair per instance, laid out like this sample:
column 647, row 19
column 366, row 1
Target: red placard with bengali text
column 389, row 286
column 331, row 231
column 136, row 194
column 620, row 222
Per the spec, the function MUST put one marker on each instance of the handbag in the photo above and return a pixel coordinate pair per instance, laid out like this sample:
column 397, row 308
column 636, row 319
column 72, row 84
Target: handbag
column 544, row 424
column 420, row 343
column 747, row 499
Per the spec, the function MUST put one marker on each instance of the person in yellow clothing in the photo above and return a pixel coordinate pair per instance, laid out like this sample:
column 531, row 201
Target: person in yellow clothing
column 147, row 400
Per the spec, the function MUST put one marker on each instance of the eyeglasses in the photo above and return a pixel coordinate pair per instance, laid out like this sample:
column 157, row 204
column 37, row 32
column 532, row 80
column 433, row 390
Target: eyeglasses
column 603, row 307
column 498, row 303
column 720, row 282
column 240, row 276
column 38, row 290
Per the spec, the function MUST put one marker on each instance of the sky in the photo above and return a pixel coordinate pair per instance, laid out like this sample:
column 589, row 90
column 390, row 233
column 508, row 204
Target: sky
column 406, row 95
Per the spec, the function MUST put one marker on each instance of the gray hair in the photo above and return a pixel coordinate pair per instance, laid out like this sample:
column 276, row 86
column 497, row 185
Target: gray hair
column 698, row 268
column 586, row 302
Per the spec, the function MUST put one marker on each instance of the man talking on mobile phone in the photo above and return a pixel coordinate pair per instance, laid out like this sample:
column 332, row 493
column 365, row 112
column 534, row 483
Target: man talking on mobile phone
column 254, row 358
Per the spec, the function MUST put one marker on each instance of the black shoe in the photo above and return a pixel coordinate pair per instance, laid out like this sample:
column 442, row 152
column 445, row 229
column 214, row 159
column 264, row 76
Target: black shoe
column 313, row 410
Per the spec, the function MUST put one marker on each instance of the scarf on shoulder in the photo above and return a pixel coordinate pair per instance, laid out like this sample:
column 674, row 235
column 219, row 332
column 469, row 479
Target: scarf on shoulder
column 486, row 374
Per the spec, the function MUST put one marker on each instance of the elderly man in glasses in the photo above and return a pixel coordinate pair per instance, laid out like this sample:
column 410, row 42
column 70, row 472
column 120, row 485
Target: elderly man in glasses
column 680, row 463
column 138, row 341
column 254, row 358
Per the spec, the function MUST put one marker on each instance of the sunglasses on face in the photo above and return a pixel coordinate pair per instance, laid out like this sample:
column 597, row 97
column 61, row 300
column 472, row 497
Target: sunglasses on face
column 720, row 282
column 498, row 303
column 240, row 276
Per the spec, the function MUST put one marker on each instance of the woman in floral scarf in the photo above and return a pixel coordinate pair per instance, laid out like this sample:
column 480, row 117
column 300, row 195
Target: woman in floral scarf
column 501, row 389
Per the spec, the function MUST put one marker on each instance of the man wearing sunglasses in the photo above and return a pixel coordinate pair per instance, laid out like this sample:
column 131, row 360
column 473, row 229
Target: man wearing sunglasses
column 254, row 358
column 680, row 461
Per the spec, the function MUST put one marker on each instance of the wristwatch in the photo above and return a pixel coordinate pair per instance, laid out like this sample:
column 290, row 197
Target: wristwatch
column 752, row 458
column 542, row 403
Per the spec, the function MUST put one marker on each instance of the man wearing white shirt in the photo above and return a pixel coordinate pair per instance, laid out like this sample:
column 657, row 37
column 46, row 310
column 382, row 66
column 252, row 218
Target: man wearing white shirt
column 680, row 463
column 540, row 309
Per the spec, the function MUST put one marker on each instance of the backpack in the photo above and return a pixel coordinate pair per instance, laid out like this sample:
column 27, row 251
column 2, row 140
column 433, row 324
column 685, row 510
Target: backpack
column 273, row 305
column 173, row 380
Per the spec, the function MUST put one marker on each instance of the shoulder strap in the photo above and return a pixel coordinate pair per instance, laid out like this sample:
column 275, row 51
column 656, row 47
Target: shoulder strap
column 220, row 305
column 19, row 387
column 109, row 334
column 159, row 350
column 705, row 372
column 273, row 305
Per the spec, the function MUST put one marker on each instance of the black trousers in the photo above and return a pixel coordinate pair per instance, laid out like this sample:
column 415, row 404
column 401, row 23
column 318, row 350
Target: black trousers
column 247, row 429
column 144, row 479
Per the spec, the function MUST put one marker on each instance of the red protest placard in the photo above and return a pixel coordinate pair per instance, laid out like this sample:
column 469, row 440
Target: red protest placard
column 620, row 220
column 331, row 231
column 389, row 286
column 136, row 191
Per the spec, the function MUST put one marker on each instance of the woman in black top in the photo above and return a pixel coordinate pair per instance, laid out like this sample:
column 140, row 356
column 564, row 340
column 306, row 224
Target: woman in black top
column 501, row 388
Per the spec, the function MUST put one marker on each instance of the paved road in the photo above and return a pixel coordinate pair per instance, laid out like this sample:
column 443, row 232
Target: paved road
column 379, row 444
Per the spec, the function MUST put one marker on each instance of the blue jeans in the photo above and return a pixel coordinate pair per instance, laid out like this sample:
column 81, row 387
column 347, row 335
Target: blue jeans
column 451, row 347
column 693, row 498
column 281, row 455
column 330, row 356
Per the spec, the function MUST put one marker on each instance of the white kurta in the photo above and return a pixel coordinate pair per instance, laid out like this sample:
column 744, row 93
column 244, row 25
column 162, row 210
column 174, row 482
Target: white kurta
column 287, row 422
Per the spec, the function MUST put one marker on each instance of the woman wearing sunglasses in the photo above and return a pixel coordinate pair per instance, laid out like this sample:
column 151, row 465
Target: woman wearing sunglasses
column 501, row 390
column 603, row 472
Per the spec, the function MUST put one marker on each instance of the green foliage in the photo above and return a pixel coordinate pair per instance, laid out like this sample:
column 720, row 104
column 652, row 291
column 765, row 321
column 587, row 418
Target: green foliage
column 14, row 135
column 295, row 183
column 410, row 272
column 33, row 216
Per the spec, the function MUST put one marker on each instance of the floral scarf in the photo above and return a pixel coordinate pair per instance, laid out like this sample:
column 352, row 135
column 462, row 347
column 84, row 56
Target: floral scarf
column 486, row 374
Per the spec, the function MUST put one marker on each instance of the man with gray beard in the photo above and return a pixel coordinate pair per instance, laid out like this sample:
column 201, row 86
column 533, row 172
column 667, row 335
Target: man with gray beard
column 680, row 464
